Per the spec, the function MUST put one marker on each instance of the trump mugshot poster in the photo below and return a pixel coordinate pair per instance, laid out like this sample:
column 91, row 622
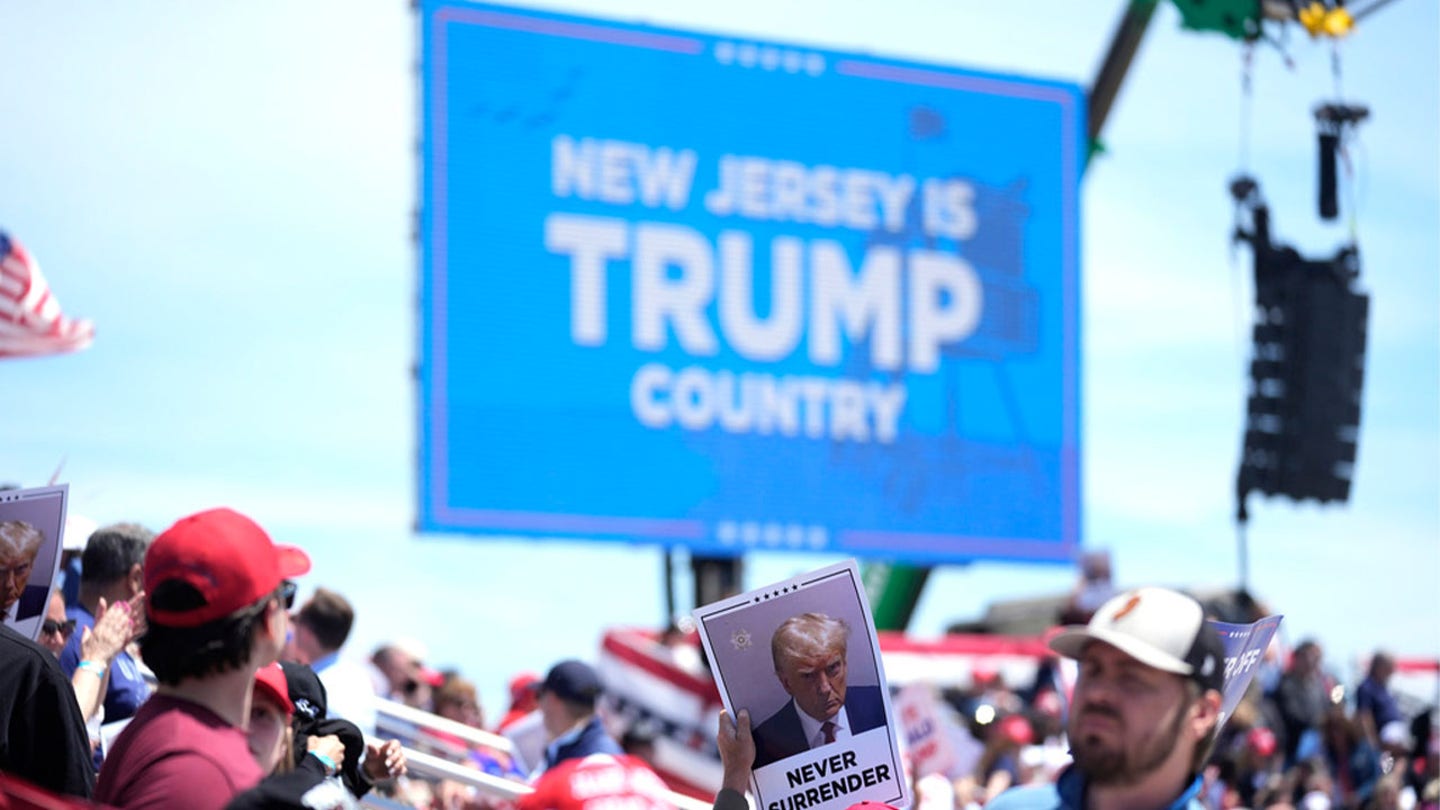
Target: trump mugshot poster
column 32, row 522
column 802, row 656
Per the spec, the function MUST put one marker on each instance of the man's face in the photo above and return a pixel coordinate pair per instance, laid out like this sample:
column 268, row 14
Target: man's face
column 552, row 714
column 1128, row 719
column 269, row 643
column 418, row 694
column 14, row 573
column 407, row 682
column 399, row 669
column 54, row 641
column 816, row 680
column 461, row 709
column 299, row 644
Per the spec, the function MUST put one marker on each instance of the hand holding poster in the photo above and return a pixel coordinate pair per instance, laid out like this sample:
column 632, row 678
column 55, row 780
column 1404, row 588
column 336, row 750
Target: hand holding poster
column 802, row 656
column 32, row 522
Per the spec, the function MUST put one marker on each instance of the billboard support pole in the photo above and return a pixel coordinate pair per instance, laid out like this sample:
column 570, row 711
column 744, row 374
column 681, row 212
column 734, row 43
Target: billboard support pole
column 716, row 577
column 670, row 613
column 894, row 591
column 1124, row 44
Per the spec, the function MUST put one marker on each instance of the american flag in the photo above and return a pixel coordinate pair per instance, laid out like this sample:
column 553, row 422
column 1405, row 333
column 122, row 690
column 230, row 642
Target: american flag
column 30, row 319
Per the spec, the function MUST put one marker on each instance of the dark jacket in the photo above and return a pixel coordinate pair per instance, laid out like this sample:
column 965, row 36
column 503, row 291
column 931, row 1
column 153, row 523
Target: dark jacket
column 305, row 788
column 32, row 602
column 42, row 734
column 781, row 735
column 311, row 720
column 591, row 740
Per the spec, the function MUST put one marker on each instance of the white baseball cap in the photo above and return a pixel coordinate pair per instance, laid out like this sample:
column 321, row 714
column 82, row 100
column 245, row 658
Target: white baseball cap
column 1158, row 627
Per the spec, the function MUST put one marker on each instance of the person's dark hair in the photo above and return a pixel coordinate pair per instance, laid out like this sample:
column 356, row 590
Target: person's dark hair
column 455, row 689
column 382, row 655
column 214, row 648
column 329, row 616
column 112, row 551
column 1380, row 663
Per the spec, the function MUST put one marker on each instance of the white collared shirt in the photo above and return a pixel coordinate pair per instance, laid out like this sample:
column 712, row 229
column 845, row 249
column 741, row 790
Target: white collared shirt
column 349, row 692
column 814, row 729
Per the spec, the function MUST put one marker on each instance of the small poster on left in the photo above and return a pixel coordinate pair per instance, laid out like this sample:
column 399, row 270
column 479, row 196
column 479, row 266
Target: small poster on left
column 32, row 522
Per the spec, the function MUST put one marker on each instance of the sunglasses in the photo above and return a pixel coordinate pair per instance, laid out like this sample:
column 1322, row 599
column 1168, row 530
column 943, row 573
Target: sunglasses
column 64, row 628
column 287, row 594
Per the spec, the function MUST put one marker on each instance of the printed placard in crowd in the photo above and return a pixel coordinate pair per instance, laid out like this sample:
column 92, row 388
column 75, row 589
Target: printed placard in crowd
column 32, row 522
column 1245, row 646
column 802, row 656
column 925, row 729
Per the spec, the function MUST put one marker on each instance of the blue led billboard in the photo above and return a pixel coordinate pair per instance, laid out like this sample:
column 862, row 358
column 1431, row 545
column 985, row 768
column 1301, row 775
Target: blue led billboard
column 736, row 295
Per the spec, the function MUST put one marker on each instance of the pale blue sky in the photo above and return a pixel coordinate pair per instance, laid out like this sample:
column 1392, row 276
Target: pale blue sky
column 226, row 190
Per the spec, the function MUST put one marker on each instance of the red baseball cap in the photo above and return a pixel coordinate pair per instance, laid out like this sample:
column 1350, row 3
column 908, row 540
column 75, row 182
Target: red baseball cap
column 225, row 557
column 523, row 685
column 270, row 681
column 1262, row 741
column 597, row 782
column 1017, row 729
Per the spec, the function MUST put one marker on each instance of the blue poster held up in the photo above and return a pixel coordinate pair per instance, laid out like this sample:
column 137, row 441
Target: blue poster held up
column 1245, row 646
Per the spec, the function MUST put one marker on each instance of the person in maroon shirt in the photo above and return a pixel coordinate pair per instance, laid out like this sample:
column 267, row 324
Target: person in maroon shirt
column 217, row 600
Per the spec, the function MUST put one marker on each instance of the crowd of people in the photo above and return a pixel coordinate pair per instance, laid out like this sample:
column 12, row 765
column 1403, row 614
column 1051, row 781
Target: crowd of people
column 177, row 671
column 1141, row 728
column 1300, row 736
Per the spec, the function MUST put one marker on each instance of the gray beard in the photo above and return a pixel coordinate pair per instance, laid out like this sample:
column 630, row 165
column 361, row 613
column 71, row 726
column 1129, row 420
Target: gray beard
column 1103, row 765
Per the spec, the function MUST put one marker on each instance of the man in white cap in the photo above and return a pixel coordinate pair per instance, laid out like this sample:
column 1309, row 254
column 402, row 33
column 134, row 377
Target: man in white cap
column 1145, row 711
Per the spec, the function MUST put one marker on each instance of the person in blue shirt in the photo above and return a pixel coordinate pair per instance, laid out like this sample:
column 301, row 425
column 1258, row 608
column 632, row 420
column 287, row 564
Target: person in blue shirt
column 1373, row 701
column 1145, row 710
column 111, row 573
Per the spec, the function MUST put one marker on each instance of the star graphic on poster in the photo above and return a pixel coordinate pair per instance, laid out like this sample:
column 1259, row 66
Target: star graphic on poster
column 740, row 638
